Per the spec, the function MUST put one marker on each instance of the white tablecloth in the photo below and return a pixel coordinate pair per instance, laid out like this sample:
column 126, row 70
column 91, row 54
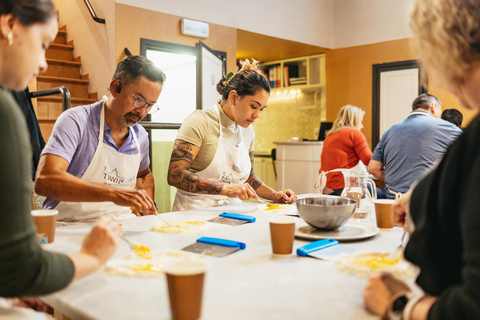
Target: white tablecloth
column 248, row 284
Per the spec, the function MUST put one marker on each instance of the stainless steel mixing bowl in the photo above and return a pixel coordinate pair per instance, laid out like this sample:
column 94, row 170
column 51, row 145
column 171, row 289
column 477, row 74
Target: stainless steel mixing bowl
column 325, row 212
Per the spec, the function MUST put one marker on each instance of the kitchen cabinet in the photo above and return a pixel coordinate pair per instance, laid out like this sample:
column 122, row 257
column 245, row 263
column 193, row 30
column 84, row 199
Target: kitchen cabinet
column 297, row 165
column 263, row 168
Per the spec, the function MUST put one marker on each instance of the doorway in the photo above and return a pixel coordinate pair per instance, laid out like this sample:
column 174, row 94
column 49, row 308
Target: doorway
column 395, row 86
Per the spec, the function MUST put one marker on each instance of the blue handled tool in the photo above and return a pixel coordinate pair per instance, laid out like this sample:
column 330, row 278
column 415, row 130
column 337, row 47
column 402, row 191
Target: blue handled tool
column 315, row 246
column 215, row 246
column 233, row 219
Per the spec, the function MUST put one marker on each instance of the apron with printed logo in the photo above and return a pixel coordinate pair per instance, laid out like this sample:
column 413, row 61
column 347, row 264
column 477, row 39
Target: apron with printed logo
column 110, row 167
column 230, row 165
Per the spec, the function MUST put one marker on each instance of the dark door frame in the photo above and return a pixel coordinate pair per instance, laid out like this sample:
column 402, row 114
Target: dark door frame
column 377, row 69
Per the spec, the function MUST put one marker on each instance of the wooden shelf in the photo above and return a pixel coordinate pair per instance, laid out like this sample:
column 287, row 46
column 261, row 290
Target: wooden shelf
column 311, row 68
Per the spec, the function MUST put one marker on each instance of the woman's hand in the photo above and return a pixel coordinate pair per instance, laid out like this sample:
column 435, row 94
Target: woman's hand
column 285, row 196
column 380, row 290
column 101, row 242
column 400, row 208
column 98, row 246
column 242, row 191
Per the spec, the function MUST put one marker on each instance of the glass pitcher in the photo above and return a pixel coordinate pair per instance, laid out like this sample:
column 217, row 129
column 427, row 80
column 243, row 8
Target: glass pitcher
column 356, row 188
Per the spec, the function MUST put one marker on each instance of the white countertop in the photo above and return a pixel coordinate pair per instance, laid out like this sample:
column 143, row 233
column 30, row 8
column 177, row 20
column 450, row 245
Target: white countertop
column 248, row 284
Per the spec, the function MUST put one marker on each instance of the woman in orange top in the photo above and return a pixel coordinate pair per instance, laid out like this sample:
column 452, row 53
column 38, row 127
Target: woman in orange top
column 344, row 146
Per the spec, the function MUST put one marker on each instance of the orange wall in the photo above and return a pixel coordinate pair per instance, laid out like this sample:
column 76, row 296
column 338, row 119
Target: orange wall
column 349, row 78
column 134, row 23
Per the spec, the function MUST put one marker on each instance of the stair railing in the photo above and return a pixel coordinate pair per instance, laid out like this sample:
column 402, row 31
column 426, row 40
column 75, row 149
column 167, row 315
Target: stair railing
column 92, row 12
column 57, row 90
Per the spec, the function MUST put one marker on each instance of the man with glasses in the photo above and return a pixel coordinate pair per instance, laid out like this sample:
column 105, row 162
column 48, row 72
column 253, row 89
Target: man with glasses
column 412, row 146
column 97, row 158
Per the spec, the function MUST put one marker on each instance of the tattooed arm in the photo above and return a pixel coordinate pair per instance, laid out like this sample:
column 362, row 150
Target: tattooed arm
column 180, row 176
column 264, row 191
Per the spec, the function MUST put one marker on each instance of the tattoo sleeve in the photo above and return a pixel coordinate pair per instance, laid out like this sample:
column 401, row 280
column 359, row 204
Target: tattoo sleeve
column 253, row 180
column 180, row 176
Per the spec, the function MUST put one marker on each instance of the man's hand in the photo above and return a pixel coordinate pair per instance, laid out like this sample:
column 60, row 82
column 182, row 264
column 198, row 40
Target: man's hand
column 138, row 200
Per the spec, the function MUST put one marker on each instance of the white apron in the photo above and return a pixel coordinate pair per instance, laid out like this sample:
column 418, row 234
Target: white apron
column 110, row 167
column 230, row 165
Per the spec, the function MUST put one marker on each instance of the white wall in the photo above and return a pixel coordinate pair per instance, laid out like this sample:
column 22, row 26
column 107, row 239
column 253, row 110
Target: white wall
column 358, row 22
column 305, row 21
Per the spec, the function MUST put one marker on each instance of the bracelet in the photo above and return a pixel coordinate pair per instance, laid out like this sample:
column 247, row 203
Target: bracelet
column 414, row 298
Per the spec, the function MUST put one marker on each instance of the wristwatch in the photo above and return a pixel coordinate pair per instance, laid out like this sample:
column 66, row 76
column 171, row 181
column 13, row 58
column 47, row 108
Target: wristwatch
column 398, row 304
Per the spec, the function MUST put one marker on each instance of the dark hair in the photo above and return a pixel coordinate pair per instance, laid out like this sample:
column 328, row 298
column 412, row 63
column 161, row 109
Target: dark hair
column 425, row 101
column 454, row 116
column 129, row 69
column 246, row 82
column 29, row 12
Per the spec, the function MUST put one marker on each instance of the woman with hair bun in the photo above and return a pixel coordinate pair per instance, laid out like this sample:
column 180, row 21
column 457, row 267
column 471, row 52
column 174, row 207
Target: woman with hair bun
column 212, row 160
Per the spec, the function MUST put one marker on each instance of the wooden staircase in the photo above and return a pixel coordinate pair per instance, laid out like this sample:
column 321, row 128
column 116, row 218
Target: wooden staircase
column 63, row 70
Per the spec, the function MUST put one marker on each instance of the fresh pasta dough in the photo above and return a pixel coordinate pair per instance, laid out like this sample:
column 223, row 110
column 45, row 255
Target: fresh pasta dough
column 289, row 209
column 363, row 265
column 179, row 226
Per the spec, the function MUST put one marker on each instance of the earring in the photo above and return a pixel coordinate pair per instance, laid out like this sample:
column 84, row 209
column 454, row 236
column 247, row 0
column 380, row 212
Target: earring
column 10, row 39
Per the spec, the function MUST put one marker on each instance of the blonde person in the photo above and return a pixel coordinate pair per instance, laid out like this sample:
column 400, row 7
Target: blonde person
column 344, row 147
column 212, row 160
column 27, row 28
column 443, row 206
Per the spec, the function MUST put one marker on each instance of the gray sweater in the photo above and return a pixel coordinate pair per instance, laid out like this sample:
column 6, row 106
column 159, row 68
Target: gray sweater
column 25, row 268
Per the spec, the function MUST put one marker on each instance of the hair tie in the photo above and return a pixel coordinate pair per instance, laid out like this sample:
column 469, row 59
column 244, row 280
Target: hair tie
column 229, row 77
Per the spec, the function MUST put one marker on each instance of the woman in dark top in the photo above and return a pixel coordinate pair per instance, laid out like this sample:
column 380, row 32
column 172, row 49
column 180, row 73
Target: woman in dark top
column 444, row 206
column 27, row 27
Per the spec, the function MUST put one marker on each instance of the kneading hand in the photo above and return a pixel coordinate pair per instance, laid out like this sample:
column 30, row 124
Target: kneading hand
column 285, row 196
column 380, row 290
column 242, row 191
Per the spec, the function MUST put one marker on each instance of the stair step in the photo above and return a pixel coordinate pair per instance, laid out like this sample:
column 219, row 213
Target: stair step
column 60, row 52
column 61, row 46
column 77, row 87
column 50, row 107
column 63, row 69
column 66, row 62
column 61, row 79
column 72, row 99
column 61, row 37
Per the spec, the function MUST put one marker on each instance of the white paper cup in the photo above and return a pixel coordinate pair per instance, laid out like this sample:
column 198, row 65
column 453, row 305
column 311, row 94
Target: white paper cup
column 45, row 220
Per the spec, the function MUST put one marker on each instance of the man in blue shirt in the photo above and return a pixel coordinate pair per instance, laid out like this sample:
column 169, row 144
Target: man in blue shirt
column 96, row 160
column 411, row 146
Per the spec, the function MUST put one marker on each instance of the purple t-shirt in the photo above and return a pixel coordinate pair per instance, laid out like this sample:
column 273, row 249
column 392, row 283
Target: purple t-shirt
column 75, row 138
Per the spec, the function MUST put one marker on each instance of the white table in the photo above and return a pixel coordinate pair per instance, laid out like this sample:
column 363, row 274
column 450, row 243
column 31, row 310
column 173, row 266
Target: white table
column 248, row 284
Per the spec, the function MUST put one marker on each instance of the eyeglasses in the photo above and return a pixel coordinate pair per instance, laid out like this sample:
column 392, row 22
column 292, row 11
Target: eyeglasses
column 140, row 102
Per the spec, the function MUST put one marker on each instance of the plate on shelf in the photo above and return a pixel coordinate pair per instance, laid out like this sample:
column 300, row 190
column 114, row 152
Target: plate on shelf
column 349, row 232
